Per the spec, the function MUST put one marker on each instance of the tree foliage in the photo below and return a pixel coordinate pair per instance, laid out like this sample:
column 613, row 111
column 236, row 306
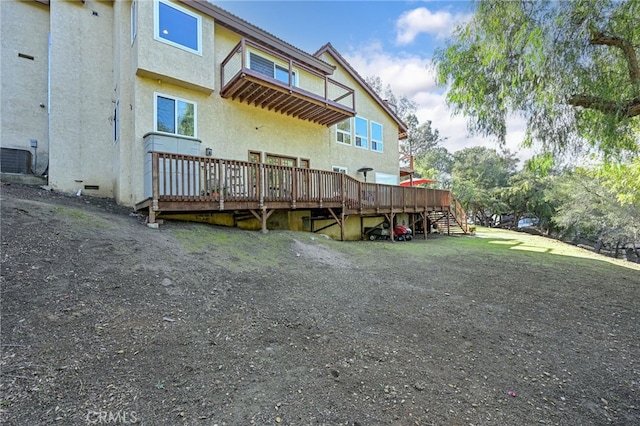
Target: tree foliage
column 403, row 106
column 420, row 137
column 436, row 163
column 569, row 67
column 590, row 209
column 525, row 196
column 479, row 174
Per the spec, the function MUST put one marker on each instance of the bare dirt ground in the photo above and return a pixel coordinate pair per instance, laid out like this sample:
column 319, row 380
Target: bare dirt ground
column 106, row 321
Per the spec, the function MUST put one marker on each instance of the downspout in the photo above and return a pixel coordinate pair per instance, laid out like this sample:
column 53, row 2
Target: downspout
column 46, row 169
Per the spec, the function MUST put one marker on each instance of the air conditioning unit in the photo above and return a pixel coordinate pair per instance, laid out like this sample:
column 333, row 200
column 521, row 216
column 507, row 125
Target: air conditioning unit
column 15, row 161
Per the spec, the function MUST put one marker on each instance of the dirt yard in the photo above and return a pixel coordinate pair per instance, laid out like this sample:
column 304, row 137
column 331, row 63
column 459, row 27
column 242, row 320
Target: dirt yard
column 107, row 321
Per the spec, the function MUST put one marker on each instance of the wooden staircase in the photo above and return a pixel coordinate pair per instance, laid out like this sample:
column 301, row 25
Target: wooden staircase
column 451, row 222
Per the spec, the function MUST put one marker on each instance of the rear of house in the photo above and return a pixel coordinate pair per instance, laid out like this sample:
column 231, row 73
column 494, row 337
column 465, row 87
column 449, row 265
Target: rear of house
column 184, row 78
column 141, row 74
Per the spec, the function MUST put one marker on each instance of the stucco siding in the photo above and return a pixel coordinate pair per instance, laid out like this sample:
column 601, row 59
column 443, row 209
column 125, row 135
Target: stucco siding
column 102, row 103
column 158, row 60
column 82, row 96
column 123, row 84
column 24, row 32
column 354, row 157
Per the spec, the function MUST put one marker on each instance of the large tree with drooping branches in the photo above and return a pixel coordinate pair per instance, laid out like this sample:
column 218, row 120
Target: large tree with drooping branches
column 570, row 68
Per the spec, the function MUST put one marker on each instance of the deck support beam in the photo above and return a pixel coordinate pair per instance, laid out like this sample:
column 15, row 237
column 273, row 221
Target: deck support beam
column 340, row 221
column 425, row 223
column 390, row 217
column 262, row 216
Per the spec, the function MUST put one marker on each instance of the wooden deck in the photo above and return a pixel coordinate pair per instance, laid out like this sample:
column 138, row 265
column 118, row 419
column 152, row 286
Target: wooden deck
column 188, row 184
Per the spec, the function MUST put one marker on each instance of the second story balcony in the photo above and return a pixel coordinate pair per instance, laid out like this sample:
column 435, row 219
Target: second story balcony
column 256, row 75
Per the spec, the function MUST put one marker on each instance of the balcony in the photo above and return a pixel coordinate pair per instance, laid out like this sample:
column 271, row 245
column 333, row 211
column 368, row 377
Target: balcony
column 256, row 75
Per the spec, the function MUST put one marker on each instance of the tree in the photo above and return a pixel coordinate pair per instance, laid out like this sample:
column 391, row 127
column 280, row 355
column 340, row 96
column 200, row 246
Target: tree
column 526, row 196
column 436, row 164
column 420, row 137
column 402, row 107
column 586, row 208
column 623, row 179
column 478, row 175
column 570, row 68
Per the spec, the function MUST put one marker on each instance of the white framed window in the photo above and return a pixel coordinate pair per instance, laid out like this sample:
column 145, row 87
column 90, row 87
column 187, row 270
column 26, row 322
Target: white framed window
column 362, row 133
column 271, row 69
column 339, row 169
column 134, row 20
column 386, row 178
column 177, row 26
column 343, row 132
column 376, row 137
column 175, row 116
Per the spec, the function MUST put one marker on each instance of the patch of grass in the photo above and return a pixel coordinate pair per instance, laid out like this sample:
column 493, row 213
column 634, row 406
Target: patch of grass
column 236, row 249
column 82, row 218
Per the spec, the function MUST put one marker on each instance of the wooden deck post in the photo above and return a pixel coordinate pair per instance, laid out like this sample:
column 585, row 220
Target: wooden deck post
column 425, row 223
column 448, row 224
column 264, row 229
column 262, row 216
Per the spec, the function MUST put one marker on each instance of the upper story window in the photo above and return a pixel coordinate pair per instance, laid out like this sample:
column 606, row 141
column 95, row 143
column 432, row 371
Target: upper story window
column 376, row 137
column 178, row 26
column 362, row 132
column 271, row 69
column 175, row 116
column 343, row 132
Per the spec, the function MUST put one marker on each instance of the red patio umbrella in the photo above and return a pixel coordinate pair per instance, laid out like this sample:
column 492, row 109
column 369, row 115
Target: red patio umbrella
column 417, row 181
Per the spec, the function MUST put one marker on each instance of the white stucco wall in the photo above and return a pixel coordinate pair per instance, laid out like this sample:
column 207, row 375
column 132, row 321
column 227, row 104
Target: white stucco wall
column 24, row 30
column 82, row 96
column 158, row 60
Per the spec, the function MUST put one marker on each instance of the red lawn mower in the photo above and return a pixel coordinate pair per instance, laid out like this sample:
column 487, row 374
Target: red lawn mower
column 382, row 232
column 402, row 233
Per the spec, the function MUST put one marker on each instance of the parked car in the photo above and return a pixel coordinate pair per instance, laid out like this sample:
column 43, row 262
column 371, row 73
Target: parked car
column 528, row 222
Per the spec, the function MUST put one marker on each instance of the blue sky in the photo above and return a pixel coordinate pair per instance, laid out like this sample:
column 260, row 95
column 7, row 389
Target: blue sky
column 393, row 40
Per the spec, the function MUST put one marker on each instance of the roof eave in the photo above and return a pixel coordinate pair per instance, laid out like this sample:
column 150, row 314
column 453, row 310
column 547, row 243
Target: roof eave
column 328, row 48
column 248, row 30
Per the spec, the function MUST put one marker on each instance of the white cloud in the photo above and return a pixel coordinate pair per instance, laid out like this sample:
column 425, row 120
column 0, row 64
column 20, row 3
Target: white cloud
column 422, row 20
column 407, row 75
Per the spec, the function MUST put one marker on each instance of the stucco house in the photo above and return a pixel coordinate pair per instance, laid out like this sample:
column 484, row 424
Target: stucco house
column 182, row 101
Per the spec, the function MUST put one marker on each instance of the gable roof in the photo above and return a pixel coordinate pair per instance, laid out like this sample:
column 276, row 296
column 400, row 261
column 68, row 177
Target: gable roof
column 238, row 25
column 328, row 48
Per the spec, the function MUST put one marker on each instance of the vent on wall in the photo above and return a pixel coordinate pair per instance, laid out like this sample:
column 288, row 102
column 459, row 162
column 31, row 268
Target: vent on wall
column 15, row 161
column 95, row 187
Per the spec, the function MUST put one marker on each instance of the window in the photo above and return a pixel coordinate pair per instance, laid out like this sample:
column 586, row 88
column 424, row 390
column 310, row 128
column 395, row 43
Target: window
column 343, row 132
column 175, row 116
column 254, row 157
column 278, row 160
column 271, row 69
column 134, row 20
column 339, row 169
column 178, row 27
column 362, row 133
column 376, row 137
column 386, row 178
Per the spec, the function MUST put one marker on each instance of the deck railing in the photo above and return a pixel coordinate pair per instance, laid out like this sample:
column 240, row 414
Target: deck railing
column 187, row 179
